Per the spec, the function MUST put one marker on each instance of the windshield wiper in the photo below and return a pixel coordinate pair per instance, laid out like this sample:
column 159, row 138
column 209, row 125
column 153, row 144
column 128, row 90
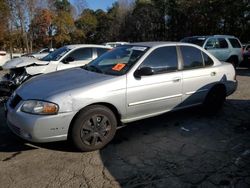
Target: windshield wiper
column 93, row 68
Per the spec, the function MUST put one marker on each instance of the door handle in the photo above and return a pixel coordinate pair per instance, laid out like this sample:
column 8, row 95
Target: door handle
column 213, row 73
column 176, row 79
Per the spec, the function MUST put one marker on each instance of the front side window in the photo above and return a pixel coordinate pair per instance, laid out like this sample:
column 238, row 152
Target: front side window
column 81, row 54
column 57, row 54
column 192, row 57
column 162, row 60
column 212, row 43
column 117, row 61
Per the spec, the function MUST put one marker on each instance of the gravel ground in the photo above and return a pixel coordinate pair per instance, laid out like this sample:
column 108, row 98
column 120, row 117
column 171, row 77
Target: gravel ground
column 180, row 149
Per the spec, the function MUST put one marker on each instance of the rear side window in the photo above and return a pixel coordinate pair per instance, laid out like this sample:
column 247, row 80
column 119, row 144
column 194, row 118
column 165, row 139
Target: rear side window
column 192, row 57
column 81, row 54
column 235, row 43
column 163, row 59
column 101, row 51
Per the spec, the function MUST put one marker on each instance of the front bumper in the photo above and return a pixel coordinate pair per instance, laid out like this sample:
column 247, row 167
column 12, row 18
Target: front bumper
column 38, row 128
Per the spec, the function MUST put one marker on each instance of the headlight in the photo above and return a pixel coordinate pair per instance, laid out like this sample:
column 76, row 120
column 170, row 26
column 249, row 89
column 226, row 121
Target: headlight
column 40, row 107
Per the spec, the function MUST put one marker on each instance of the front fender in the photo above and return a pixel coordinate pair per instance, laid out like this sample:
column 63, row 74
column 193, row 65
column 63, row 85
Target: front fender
column 35, row 70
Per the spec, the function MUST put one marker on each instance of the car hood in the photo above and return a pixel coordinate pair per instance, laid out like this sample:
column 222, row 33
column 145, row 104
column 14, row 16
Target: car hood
column 44, row 86
column 22, row 62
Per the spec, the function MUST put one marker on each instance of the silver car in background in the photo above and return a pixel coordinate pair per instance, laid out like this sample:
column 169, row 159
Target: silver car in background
column 129, row 83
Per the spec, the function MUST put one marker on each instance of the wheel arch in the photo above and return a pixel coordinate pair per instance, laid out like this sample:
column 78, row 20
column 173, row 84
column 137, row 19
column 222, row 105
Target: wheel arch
column 219, row 86
column 108, row 105
column 233, row 59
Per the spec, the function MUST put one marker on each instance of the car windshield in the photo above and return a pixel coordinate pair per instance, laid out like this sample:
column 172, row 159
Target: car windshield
column 195, row 40
column 56, row 55
column 117, row 61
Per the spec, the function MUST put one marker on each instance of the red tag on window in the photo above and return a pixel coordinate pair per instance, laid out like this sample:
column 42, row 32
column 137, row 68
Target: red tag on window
column 119, row 67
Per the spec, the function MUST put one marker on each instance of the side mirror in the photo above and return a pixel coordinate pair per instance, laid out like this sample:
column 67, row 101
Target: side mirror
column 144, row 71
column 67, row 60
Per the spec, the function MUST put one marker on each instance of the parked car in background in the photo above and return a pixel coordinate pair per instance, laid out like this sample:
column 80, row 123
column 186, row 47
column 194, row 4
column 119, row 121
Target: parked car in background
column 3, row 58
column 224, row 47
column 129, row 83
column 40, row 54
column 23, row 68
column 246, row 55
column 114, row 44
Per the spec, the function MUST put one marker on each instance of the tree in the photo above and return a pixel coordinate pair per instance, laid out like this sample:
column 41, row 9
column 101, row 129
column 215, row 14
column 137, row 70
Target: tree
column 39, row 27
column 64, row 25
column 87, row 23
column 143, row 23
column 4, row 17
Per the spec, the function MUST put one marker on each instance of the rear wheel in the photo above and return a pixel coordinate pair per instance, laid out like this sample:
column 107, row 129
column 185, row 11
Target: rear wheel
column 234, row 61
column 214, row 100
column 93, row 128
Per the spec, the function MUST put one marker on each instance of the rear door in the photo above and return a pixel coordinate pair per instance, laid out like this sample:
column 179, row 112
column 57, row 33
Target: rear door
column 160, row 92
column 199, row 75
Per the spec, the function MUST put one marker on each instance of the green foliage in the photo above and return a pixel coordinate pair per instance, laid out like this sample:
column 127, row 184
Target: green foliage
column 62, row 5
column 39, row 27
column 125, row 20
column 64, row 24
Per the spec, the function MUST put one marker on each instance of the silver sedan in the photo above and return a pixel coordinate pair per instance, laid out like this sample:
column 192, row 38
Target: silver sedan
column 129, row 83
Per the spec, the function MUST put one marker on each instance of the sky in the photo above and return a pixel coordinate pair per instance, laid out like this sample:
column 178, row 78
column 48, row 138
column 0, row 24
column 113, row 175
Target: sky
column 100, row 4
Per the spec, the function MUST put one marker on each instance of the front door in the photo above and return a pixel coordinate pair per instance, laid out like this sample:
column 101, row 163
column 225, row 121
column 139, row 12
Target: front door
column 157, row 93
column 78, row 57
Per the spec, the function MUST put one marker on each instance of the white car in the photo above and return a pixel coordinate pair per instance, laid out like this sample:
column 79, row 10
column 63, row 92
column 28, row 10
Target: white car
column 3, row 57
column 40, row 54
column 129, row 83
column 23, row 68
column 114, row 44
column 63, row 58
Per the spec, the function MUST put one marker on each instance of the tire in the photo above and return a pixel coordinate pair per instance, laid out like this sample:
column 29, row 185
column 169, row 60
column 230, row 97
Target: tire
column 234, row 61
column 5, row 93
column 93, row 128
column 214, row 100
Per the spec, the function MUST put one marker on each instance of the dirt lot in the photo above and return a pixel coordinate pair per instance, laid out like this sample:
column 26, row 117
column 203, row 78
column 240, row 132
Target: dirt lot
column 180, row 149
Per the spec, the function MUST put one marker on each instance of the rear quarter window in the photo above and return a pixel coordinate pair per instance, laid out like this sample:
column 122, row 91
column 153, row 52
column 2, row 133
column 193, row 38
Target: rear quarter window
column 207, row 60
column 235, row 43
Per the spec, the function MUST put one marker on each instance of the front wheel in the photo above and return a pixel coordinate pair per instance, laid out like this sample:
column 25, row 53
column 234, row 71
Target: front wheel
column 5, row 92
column 93, row 128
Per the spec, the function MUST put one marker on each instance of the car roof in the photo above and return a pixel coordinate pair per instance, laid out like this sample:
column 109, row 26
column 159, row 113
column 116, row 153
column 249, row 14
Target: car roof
column 155, row 43
column 207, row 36
column 72, row 46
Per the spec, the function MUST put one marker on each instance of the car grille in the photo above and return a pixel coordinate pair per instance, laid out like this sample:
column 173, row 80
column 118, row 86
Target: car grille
column 14, row 101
